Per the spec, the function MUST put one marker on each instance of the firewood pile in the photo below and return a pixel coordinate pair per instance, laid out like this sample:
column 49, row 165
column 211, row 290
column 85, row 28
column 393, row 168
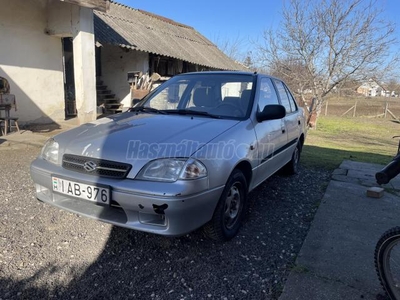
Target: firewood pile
column 143, row 84
column 145, row 81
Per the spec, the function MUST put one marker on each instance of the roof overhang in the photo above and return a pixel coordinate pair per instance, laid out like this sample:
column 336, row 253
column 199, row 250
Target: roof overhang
column 101, row 5
column 134, row 29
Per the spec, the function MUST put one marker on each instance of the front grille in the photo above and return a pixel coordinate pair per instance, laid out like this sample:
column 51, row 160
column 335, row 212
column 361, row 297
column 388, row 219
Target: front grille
column 95, row 166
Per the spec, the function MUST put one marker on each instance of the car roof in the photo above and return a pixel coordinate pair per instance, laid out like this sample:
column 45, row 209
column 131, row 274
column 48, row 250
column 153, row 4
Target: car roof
column 220, row 72
column 228, row 73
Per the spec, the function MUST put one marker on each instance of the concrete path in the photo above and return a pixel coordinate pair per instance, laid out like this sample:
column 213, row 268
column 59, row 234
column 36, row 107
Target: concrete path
column 37, row 137
column 337, row 257
column 24, row 137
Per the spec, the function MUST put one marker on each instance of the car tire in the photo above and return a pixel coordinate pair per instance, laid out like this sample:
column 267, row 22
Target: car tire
column 230, row 210
column 292, row 166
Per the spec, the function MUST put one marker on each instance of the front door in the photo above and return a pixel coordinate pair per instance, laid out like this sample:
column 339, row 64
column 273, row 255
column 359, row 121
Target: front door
column 271, row 135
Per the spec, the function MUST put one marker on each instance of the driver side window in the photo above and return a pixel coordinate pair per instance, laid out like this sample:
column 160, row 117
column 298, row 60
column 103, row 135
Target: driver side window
column 168, row 98
column 266, row 93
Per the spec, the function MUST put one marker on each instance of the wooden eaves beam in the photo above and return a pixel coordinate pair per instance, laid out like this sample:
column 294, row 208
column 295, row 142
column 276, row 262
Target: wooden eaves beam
column 101, row 5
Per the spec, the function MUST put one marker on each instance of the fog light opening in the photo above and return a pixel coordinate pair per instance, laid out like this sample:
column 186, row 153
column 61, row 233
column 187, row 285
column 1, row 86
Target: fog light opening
column 152, row 219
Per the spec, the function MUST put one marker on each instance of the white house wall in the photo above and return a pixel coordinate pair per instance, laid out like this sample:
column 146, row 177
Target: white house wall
column 116, row 62
column 59, row 15
column 31, row 61
column 84, row 64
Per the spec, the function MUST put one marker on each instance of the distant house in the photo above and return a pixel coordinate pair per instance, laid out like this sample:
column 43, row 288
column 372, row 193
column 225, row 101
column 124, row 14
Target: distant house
column 53, row 51
column 129, row 39
column 371, row 88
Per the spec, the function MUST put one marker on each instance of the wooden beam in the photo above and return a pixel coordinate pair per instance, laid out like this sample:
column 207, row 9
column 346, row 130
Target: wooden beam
column 102, row 5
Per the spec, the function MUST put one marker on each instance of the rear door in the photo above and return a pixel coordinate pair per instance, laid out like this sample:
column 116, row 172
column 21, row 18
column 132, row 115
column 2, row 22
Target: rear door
column 292, row 119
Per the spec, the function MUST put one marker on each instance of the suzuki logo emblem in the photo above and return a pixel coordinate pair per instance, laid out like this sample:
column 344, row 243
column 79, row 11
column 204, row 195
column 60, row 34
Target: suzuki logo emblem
column 89, row 166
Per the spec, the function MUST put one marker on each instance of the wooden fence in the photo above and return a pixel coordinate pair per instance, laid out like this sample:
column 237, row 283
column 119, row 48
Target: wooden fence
column 374, row 107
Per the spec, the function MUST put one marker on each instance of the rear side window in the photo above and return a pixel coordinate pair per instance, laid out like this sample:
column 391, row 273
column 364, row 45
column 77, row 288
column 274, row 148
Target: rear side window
column 285, row 101
column 292, row 101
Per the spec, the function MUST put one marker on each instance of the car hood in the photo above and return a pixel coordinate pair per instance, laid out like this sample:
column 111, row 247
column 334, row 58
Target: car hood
column 130, row 137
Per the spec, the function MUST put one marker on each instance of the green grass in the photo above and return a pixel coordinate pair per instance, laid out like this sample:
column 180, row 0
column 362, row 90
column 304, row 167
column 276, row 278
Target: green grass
column 360, row 139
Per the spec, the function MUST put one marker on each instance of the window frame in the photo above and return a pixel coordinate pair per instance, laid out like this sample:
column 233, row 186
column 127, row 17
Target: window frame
column 289, row 96
column 292, row 100
column 273, row 90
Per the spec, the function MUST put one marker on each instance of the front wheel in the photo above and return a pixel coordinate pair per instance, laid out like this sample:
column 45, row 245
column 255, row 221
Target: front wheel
column 228, row 215
column 387, row 262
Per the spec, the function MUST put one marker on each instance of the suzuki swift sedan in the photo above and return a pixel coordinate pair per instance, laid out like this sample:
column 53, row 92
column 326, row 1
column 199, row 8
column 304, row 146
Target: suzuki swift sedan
column 183, row 157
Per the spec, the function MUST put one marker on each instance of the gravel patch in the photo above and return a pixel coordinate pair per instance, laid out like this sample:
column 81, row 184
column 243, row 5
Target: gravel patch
column 49, row 253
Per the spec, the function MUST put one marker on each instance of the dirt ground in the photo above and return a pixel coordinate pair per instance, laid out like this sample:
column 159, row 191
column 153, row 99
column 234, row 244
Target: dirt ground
column 48, row 253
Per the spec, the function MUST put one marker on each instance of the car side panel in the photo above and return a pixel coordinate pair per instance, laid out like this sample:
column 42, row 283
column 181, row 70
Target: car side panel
column 272, row 135
column 293, row 117
column 293, row 127
column 223, row 153
column 272, row 153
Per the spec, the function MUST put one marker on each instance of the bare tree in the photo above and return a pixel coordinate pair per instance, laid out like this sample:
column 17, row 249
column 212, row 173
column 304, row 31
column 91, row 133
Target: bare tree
column 232, row 47
column 322, row 43
column 285, row 69
column 393, row 86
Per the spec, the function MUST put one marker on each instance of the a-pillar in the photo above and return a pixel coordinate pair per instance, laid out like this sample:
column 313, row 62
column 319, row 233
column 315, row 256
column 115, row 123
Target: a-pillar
column 84, row 64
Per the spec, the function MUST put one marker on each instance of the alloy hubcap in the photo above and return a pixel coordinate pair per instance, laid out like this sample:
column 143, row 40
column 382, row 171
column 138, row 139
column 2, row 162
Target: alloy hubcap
column 232, row 206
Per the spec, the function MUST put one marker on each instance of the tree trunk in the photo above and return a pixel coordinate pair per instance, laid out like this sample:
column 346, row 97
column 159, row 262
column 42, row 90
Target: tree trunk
column 315, row 111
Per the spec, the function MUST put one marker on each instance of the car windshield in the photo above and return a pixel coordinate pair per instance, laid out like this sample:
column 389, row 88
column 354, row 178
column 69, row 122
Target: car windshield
column 210, row 95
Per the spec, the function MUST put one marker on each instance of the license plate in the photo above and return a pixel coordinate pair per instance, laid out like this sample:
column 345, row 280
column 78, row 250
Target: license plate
column 98, row 194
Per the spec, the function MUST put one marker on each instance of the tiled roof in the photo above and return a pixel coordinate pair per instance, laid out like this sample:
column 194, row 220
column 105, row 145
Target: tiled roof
column 144, row 31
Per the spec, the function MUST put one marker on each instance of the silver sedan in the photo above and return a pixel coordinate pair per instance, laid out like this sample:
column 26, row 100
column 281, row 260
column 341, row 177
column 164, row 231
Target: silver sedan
column 184, row 157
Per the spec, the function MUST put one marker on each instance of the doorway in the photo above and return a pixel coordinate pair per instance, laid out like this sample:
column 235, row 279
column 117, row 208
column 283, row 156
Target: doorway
column 69, row 81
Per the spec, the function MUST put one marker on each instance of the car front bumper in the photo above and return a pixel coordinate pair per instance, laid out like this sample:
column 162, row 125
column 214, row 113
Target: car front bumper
column 134, row 204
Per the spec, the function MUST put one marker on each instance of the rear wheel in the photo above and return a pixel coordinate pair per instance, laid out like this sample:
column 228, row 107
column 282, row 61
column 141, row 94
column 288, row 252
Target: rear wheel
column 387, row 262
column 228, row 215
column 292, row 166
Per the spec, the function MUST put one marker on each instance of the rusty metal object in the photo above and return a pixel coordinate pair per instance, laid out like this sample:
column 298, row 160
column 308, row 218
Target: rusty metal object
column 4, row 86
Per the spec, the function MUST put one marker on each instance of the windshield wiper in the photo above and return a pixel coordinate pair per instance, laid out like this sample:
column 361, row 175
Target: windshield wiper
column 146, row 109
column 193, row 112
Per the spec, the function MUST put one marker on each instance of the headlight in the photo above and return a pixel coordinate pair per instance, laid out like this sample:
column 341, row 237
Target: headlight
column 172, row 169
column 50, row 151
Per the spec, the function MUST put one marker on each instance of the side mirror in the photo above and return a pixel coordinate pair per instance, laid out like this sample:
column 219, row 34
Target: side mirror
column 135, row 101
column 271, row 112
